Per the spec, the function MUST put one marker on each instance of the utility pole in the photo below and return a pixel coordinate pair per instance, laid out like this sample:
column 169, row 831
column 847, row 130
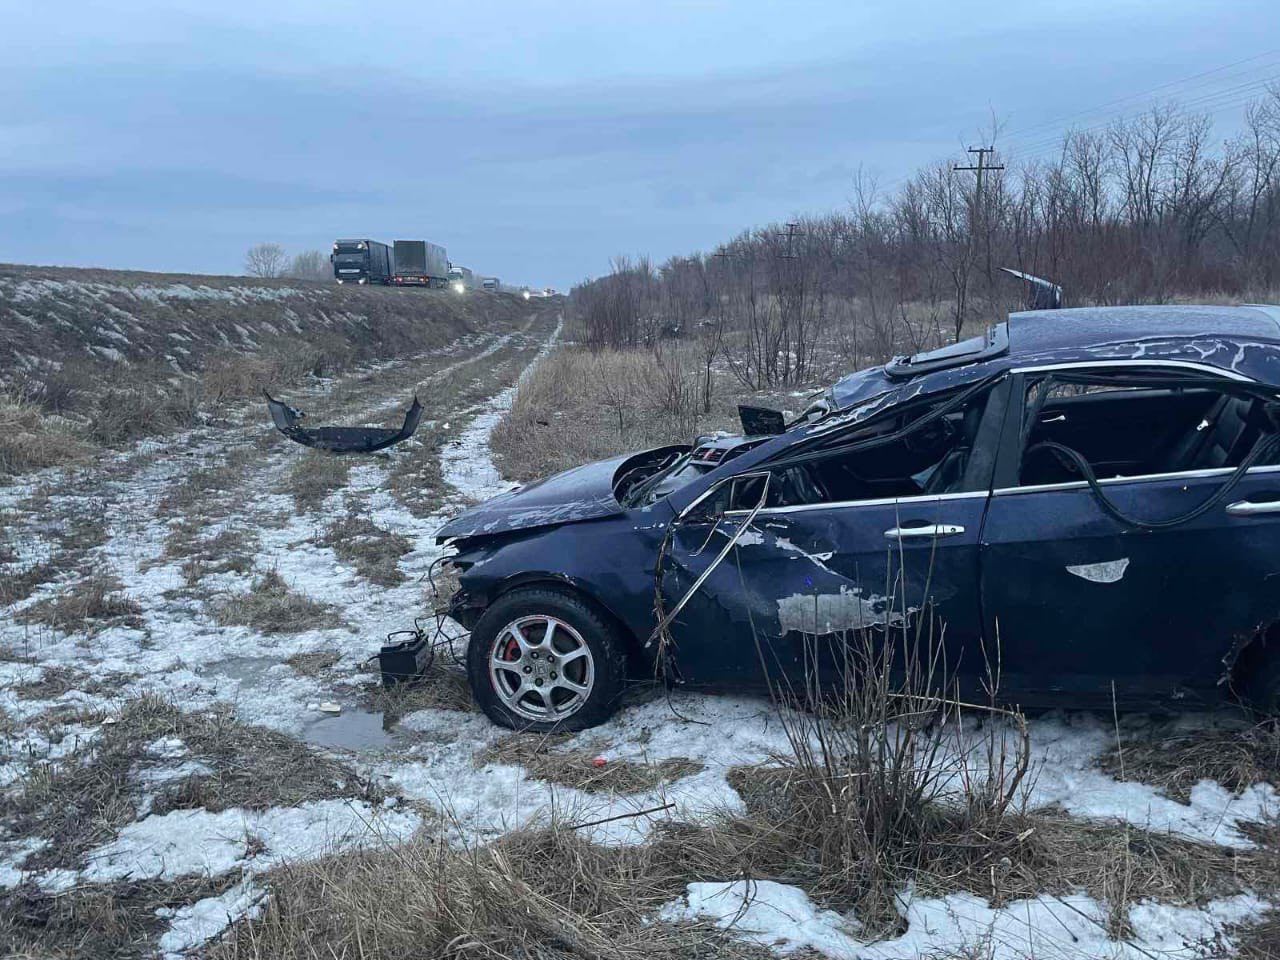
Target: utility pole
column 979, row 209
column 793, row 230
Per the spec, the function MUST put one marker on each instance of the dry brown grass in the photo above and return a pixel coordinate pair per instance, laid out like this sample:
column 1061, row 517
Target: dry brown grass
column 203, row 492
column 87, row 606
column 81, row 801
column 272, row 606
column 1176, row 761
column 314, row 663
column 19, row 583
column 442, row 687
column 228, row 551
column 1259, row 941
column 115, row 920
column 374, row 551
column 544, row 758
column 31, row 439
column 314, row 476
column 547, row 895
column 579, row 406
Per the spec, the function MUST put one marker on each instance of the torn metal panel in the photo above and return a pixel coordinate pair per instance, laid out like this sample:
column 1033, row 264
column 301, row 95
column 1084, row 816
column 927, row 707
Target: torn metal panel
column 341, row 439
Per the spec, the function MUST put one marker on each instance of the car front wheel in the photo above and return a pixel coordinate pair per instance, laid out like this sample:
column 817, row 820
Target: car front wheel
column 541, row 659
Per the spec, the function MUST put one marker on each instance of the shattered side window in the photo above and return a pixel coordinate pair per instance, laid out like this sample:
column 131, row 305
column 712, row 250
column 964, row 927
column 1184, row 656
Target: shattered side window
column 925, row 450
column 1133, row 427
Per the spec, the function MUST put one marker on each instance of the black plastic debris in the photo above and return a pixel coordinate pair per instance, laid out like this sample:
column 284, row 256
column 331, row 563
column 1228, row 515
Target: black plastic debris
column 761, row 421
column 341, row 439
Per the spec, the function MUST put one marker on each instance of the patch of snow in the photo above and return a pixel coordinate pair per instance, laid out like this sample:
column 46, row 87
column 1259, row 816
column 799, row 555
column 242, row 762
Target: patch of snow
column 167, row 748
column 197, row 842
column 1048, row 928
column 199, row 922
column 12, row 855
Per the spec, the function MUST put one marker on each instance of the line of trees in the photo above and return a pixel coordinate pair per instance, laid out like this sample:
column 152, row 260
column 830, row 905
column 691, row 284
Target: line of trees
column 1147, row 209
column 270, row 260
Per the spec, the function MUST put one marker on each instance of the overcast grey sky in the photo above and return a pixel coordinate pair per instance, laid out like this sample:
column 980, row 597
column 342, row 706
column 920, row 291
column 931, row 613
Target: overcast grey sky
column 537, row 139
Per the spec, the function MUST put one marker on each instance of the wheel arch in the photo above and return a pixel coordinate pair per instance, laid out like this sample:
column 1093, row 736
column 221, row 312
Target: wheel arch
column 637, row 661
column 1250, row 655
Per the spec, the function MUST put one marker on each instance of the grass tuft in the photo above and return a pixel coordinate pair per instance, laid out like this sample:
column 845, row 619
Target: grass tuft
column 374, row 551
column 314, row 476
column 87, row 606
column 543, row 759
column 272, row 606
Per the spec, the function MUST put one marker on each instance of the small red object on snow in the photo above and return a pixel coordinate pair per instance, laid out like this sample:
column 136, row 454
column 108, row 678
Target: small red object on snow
column 599, row 762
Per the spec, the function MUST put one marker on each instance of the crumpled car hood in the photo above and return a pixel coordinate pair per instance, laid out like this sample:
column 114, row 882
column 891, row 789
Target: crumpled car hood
column 583, row 493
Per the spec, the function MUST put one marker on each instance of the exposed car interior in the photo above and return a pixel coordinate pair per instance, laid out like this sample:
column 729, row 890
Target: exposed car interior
column 929, row 459
column 1127, row 432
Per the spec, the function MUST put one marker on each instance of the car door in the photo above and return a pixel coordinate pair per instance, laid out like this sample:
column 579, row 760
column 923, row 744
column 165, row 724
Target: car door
column 1084, row 605
column 803, row 580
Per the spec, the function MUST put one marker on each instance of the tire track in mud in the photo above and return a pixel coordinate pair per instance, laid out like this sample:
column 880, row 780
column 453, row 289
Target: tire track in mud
column 177, row 645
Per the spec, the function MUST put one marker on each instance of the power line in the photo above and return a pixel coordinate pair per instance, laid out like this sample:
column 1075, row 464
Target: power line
column 1217, row 101
column 1056, row 121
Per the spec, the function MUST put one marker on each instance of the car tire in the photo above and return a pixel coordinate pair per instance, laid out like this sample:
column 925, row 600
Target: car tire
column 522, row 683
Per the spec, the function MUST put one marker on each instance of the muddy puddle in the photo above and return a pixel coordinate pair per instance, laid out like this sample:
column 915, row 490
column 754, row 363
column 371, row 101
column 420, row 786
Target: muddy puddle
column 354, row 728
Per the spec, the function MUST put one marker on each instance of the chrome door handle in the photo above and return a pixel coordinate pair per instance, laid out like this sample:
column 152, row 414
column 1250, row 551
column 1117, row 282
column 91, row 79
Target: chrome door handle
column 1247, row 508
column 931, row 531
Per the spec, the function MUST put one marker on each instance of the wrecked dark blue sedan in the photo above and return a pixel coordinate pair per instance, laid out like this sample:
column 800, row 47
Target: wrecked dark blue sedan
column 1092, row 493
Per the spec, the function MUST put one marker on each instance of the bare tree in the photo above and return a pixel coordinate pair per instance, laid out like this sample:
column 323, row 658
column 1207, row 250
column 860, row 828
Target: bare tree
column 310, row 265
column 265, row 260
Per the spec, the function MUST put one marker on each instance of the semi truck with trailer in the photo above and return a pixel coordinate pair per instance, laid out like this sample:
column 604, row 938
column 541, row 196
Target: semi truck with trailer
column 461, row 278
column 492, row 284
column 419, row 263
column 361, row 261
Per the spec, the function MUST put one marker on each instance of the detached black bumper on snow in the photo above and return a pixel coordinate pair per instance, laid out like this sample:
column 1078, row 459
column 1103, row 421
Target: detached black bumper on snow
column 341, row 439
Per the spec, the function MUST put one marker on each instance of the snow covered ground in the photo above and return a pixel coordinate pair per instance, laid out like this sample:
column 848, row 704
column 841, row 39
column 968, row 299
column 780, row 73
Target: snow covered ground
column 428, row 761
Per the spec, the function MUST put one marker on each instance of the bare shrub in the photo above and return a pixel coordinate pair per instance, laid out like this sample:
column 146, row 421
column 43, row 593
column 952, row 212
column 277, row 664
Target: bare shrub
column 272, row 606
column 886, row 780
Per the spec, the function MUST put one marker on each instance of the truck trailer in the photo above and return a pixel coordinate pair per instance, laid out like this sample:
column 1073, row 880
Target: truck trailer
column 361, row 261
column 419, row 263
column 492, row 283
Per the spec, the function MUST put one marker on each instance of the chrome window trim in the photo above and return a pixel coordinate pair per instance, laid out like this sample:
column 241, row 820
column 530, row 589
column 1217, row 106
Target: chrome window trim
column 1139, row 362
column 1137, row 478
column 845, row 504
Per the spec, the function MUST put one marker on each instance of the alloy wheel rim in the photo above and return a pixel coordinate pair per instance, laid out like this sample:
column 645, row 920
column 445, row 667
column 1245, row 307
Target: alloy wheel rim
column 541, row 668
